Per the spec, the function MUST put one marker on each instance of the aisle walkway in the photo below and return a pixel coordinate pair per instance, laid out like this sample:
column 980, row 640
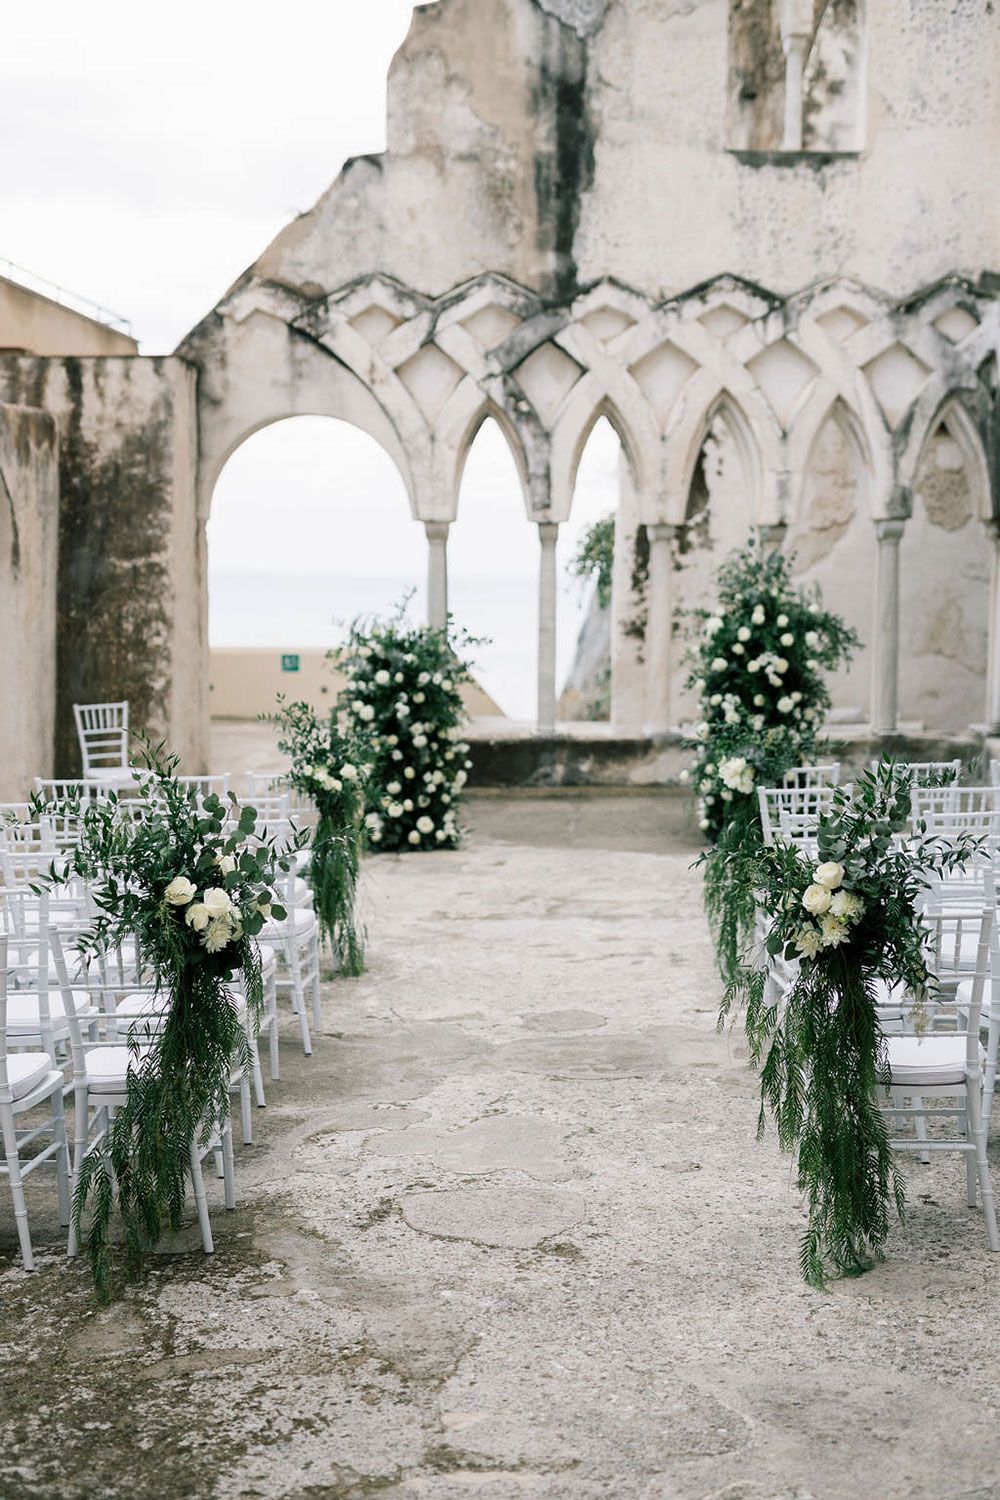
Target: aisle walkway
column 508, row 1235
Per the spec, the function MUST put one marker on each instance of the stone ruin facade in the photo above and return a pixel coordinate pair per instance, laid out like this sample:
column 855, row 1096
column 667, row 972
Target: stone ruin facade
column 761, row 237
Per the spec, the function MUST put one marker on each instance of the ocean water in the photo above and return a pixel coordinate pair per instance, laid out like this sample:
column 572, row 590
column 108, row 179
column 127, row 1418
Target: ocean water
column 300, row 610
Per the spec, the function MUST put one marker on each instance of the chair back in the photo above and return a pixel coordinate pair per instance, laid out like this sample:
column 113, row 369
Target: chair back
column 5, row 1094
column 950, row 810
column 922, row 771
column 26, row 850
column 102, row 729
column 810, row 776
column 958, row 945
column 797, row 801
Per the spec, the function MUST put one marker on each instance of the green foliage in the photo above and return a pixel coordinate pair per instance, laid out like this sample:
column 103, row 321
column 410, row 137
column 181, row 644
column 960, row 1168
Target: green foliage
column 839, row 922
column 331, row 769
column 403, row 693
column 595, row 557
column 192, row 886
column 757, row 664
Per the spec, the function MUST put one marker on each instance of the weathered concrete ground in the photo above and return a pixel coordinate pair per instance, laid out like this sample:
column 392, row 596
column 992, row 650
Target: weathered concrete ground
column 508, row 1234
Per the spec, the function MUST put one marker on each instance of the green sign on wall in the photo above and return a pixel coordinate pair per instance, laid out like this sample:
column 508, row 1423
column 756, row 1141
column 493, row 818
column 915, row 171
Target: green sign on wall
column 290, row 662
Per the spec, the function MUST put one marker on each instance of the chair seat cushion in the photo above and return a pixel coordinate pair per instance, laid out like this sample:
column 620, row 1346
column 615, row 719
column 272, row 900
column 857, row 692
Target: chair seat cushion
column 143, row 1005
column 24, row 1012
column 928, row 1060
column 108, row 1069
column 301, row 920
column 113, row 776
column 25, row 1070
column 268, row 957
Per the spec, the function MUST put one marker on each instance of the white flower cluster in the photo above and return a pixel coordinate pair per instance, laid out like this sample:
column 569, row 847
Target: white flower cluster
column 424, row 756
column 834, row 910
column 214, row 917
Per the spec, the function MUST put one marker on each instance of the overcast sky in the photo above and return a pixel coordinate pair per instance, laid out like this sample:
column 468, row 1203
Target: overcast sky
column 148, row 155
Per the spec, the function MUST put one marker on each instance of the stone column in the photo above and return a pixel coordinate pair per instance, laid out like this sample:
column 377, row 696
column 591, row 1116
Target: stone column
column 437, row 573
column 548, row 535
column 885, row 637
column 660, row 627
column 796, row 29
column 993, row 636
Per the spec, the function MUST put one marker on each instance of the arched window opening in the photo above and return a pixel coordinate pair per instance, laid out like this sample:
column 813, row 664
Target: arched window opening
column 310, row 527
column 594, row 566
column 493, row 576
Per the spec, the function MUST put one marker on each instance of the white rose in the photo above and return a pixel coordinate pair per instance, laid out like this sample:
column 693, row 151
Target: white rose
column 719, row 664
column 196, row 916
column 715, row 699
column 357, row 706
column 392, row 739
column 811, row 639
column 217, row 902
column 713, row 625
column 829, row 875
column 398, row 677
column 780, row 665
column 424, row 679
column 785, row 705
column 782, row 621
column 226, row 863
column 738, row 648
column 408, row 805
column 440, row 835
column 816, row 900
column 811, row 664
column 754, row 666
column 180, row 891
column 413, row 837
column 426, row 825
column 367, row 713
column 382, row 677
column 445, row 798
column 397, row 755
column 685, row 775
column 788, row 639
column 460, row 779
column 409, row 773
column 446, row 683
column 758, row 615
column 759, row 700
column 394, row 788
column 419, row 741
column 743, row 634
column 402, row 711
column 419, row 697
column 395, row 810
column 349, row 772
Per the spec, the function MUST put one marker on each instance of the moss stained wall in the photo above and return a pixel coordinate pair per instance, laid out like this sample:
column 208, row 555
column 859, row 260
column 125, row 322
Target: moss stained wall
column 128, row 546
column 29, row 524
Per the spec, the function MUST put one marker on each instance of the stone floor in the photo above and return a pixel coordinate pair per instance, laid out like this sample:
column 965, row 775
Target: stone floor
column 508, row 1234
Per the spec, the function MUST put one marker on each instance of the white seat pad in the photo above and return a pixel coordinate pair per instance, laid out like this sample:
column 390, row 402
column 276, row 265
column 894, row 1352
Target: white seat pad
column 23, row 1011
column 302, row 918
column 268, row 956
column 25, row 1070
column 107, row 1069
column 143, row 1005
column 928, row 1060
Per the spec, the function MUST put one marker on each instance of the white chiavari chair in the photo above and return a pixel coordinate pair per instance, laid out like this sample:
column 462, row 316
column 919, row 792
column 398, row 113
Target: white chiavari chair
column 939, row 1055
column 102, row 730
column 797, row 801
column 812, row 776
column 29, row 1080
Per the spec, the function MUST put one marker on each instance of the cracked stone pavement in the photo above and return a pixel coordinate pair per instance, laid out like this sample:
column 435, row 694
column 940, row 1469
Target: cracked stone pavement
column 508, row 1234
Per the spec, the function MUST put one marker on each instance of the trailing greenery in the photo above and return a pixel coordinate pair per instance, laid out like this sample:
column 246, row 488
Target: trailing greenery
column 595, row 557
column 404, row 693
column 757, row 664
column 189, row 883
column 838, row 922
column 330, row 769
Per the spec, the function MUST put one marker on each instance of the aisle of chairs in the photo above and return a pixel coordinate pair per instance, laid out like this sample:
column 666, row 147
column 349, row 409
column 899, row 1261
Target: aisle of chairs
column 70, row 1030
column 942, row 1049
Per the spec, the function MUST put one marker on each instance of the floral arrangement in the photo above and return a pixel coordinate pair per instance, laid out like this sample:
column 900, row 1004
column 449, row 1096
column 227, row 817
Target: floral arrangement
column 191, row 884
column 403, row 690
column 330, row 768
column 757, row 664
column 838, row 921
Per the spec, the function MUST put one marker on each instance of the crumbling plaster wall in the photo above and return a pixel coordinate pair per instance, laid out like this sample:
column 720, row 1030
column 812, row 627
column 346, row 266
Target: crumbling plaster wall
column 29, row 535
column 554, row 150
column 130, row 573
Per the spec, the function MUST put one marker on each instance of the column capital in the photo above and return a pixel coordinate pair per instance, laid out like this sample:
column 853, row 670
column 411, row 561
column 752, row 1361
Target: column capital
column 548, row 532
column 436, row 531
column 889, row 528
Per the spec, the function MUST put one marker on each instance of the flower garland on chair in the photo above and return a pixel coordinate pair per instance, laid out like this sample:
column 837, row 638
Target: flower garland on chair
column 403, row 691
column 839, row 922
column 330, row 768
column 191, row 885
column 757, row 666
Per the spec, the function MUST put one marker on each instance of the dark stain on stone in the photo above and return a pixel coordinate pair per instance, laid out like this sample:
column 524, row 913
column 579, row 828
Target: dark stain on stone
column 564, row 162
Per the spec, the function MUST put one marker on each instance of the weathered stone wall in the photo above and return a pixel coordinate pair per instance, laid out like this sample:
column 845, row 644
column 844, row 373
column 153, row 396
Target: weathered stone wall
column 130, row 556
column 29, row 533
